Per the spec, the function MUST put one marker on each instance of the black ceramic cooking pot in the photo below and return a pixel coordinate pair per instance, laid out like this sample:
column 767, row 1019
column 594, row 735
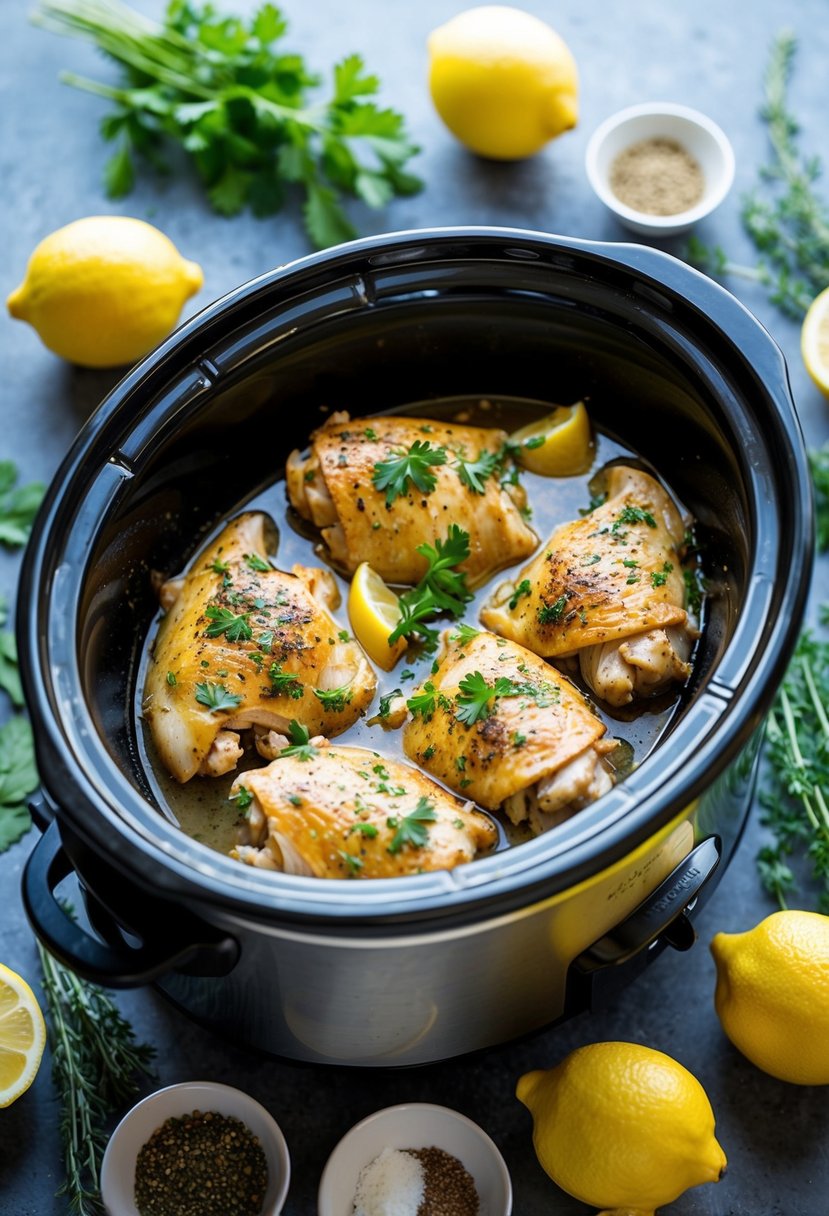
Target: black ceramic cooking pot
column 403, row 971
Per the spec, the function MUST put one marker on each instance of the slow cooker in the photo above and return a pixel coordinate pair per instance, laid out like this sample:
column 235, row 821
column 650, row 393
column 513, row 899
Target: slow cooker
column 405, row 971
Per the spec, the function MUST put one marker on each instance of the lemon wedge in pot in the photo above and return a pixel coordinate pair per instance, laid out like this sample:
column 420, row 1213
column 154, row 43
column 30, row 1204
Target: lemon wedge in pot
column 558, row 445
column 374, row 610
column 22, row 1036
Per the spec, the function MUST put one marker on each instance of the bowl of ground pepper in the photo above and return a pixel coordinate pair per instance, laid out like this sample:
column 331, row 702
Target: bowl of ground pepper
column 196, row 1149
column 416, row 1159
column 660, row 167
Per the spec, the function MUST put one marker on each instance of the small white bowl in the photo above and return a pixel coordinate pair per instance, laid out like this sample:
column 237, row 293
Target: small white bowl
column 694, row 131
column 415, row 1125
column 135, row 1129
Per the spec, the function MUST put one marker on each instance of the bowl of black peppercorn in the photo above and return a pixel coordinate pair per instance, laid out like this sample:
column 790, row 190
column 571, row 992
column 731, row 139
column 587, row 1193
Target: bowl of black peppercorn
column 196, row 1149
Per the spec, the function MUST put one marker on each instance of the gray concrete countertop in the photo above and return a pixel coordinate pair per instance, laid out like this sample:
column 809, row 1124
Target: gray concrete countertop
column 708, row 55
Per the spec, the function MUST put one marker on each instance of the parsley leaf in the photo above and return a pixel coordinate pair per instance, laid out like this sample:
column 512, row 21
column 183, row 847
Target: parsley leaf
column 549, row 614
column 243, row 798
column 393, row 474
column 223, row 90
column 412, row 829
column 285, row 683
column 216, row 697
column 442, row 588
column 334, row 699
column 18, row 778
column 235, row 627
column 523, row 588
column 464, row 634
column 301, row 745
column 423, row 702
column 472, row 701
column 9, row 673
column 18, row 505
column 256, row 563
column 632, row 515
column 386, row 702
column 474, row 473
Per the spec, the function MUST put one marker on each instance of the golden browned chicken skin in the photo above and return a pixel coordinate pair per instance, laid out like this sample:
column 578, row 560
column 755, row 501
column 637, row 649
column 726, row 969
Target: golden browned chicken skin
column 334, row 488
column 535, row 749
column 246, row 646
column 348, row 812
column 608, row 588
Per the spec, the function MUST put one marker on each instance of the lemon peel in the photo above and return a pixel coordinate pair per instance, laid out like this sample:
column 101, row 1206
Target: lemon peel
column 622, row 1127
column 772, row 994
column 22, row 1036
column 374, row 610
column 503, row 81
column 558, row 445
column 104, row 290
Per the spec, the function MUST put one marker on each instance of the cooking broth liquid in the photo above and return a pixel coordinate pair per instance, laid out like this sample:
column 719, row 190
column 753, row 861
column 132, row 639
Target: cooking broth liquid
column 201, row 807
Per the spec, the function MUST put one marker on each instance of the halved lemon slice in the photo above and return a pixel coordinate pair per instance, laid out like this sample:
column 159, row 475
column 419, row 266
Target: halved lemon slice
column 814, row 341
column 374, row 610
column 558, row 445
column 22, row 1036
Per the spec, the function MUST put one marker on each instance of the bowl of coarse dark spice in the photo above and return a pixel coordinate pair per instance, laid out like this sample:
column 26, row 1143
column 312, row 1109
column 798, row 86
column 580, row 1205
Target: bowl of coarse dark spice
column 196, row 1149
column 660, row 167
column 415, row 1160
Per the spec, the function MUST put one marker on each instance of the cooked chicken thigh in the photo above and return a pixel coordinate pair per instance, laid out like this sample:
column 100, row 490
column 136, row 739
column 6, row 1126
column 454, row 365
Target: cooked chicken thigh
column 347, row 812
column 501, row 726
column 608, row 588
column 335, row 488
column 244, row 645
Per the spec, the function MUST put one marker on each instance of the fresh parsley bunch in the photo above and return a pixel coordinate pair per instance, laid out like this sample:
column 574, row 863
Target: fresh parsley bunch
column 217, row 86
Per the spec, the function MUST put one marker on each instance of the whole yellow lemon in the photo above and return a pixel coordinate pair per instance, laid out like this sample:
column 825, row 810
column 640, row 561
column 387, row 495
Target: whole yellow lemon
column 772, row 994
column 503, row 81
column 622, row 1126
column 104, row 290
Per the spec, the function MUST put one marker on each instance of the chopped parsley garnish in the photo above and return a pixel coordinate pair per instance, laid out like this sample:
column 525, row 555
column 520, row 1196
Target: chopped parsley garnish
column 460, row 763
column 660, row 577
column 344, row 635
column 463, row 634
column 265, row 640
column 407, row 674
column 243, row 798
column 630, row 562
column 295, row 800
column 412, row 829
column 442, row 588
column 310, row 474
column 216, row 697
column 694, row 587
column 474, row 473
column 254, row 562
column 423, row 702
column 523, row 588
column 592, row 559
column 548, row 614
column 537, row 441
column 334, row 699
column 219, row 567
column 235, row 627
column 429, row 751
column 633, row 515
column 518, row 740
column 385, row 702
column 171, row 679
column 474, row 696
column 596, row 500
column 369, row 433
column 301, row 745
column 353, row 863
column 365, row 829
column 457, row 823
column 394, row 474
column 285, row 683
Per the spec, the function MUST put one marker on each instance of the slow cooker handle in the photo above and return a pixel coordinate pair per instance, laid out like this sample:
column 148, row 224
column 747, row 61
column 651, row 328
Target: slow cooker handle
column 663, row 919
column 183, row 940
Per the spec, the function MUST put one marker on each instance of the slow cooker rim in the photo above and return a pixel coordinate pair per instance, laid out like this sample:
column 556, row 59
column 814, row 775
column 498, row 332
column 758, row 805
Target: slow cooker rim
column 635, row 823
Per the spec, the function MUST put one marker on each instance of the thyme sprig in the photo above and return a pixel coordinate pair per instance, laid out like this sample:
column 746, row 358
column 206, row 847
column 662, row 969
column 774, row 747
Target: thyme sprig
column 797, row 749
column 784, row 217
column 96, row 1066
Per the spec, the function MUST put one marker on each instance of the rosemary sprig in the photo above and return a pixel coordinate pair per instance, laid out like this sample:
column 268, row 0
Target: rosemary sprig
column 96, row 1063
column 784, row 217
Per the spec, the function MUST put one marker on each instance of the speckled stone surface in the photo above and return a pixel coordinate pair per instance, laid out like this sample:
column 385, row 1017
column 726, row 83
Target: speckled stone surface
column 706, row 54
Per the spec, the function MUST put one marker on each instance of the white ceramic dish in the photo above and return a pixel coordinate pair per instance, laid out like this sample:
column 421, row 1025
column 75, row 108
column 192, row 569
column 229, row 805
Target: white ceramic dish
column 415, row 1125
column 135, row 1129
column 701, row 137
